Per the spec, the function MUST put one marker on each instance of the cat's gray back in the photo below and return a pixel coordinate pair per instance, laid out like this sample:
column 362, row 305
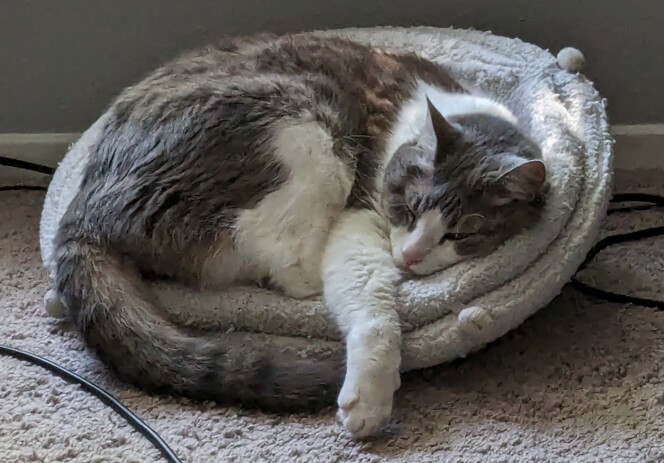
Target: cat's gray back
column 190, row 146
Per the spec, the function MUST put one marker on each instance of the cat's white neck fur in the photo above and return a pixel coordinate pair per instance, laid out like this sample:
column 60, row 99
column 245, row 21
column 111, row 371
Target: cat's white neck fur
column 412, row 116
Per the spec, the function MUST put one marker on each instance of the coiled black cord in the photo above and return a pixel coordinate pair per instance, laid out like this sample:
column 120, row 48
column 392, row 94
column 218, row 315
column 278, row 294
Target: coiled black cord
column 651, row 201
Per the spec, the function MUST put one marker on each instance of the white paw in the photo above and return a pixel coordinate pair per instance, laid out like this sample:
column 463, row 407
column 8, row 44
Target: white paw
column 365, row 403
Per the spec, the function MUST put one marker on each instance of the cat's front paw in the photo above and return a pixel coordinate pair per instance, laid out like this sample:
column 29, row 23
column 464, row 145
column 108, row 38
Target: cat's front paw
column 365, row 404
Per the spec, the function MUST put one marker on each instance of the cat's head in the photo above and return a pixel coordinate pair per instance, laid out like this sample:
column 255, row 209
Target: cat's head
column 459, row 191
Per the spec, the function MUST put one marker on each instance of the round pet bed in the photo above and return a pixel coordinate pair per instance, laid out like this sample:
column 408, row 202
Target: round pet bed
column 460, row 309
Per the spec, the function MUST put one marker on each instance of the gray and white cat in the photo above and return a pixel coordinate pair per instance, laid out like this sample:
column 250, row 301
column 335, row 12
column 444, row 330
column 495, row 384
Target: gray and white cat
column 306, row 164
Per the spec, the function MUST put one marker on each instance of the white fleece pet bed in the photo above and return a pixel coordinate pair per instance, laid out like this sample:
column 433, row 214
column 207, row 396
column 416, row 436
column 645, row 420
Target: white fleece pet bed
column 462, row 308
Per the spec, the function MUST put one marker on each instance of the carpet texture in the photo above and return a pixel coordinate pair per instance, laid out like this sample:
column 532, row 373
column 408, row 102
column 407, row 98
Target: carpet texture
column 580, row 381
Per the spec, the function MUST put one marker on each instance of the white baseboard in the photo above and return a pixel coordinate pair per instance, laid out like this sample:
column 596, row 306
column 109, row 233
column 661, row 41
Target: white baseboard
column 637, row 146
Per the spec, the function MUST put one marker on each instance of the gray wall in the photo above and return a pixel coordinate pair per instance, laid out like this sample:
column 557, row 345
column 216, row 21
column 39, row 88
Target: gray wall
column 62, row 61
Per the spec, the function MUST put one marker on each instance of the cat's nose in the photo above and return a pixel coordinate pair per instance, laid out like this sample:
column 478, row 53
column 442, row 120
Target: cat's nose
column 410, row 259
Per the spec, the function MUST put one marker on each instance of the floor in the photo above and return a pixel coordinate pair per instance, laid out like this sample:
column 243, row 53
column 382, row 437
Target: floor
column 581, row 381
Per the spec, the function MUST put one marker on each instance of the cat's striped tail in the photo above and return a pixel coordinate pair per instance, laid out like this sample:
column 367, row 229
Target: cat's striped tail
column 110, row 304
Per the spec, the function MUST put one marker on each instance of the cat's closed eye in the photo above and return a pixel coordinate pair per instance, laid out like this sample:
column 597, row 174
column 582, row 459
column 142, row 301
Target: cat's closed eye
column 454, row 237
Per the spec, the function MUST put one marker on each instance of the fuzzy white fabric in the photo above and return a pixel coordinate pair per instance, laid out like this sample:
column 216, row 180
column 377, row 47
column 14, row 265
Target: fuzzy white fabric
column 458, row 310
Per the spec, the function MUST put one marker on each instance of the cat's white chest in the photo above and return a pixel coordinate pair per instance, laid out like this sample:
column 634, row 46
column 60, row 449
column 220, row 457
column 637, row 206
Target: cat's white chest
column 284, row 236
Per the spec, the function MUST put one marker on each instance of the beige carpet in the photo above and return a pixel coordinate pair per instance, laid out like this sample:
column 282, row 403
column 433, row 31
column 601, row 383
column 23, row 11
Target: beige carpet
column 581, row 381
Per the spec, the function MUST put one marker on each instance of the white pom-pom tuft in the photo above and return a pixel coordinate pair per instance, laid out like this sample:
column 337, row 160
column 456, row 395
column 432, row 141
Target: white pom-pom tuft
column 571, row 59
column 54, row 307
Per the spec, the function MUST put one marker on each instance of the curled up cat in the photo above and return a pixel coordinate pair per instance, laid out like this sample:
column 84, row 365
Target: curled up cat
column 307, row 165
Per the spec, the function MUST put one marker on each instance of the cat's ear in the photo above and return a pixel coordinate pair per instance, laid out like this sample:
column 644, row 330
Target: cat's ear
column 438, row 132
column 441, row 127
column 523, row 181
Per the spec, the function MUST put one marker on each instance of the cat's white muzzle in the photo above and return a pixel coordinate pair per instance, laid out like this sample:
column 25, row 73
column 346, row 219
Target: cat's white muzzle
column 435, row 259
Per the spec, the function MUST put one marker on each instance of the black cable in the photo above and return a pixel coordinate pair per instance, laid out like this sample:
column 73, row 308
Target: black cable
column 655, row 202
column 620, row 238
column 615, row 297
column 69, row 376
column 10, row 162
column 23, row 187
